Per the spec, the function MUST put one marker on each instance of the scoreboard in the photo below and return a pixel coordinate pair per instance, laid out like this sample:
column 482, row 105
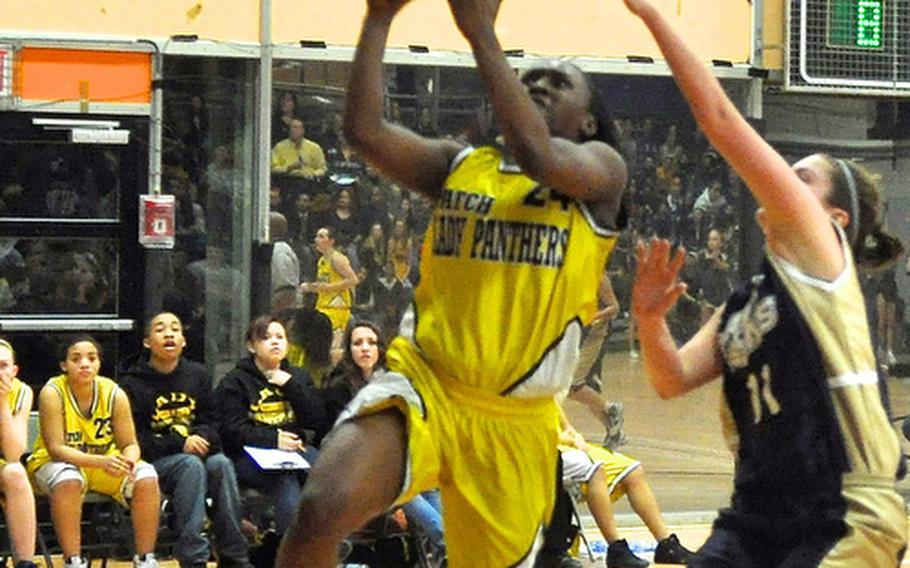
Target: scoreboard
column 848, row 46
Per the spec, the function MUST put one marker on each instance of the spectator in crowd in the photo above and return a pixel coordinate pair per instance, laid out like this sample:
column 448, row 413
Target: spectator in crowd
column 334, row 286
column 709, row 204
column 220, row 175
column 17, row 498
column 88, row 443
column 12, row 199
column 84, row 286
column 299, row 226
column 13, row 281
column 603, row 476
column 364, row 359
column 267, row 403
column 373, row 260
column 217, row 286
column 712, row 276
column 177, row 427
column 671, row 214
column 286, row 111
column 340, row 155
column 377, row 208
column 285, row 265
column 344, row 219
column 196, row 138
column 303, row 235
column 400, row 252
column 189, row 215
column 297, row 156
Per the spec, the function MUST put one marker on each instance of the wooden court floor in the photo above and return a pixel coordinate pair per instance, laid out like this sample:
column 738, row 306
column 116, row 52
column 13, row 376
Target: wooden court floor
column 682, row 450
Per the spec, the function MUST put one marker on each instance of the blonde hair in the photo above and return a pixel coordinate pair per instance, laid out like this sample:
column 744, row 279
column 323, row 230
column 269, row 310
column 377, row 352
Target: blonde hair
column 6, row 344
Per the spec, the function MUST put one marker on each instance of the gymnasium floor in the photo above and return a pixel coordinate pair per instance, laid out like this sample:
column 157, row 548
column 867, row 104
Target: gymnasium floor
column 680, row 445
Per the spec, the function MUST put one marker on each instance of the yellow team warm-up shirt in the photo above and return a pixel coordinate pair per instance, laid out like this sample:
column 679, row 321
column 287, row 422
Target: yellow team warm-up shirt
column 326, row 273
column 93, row 434
column 17, row 396
column 509, row 272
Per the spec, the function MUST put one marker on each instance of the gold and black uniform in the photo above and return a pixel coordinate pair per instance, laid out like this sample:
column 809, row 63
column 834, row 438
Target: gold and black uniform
column 509, row 272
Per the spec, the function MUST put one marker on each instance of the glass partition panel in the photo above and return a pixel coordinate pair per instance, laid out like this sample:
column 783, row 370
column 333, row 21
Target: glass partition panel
column 55, row 276
column 43, row 179
column 208, row 151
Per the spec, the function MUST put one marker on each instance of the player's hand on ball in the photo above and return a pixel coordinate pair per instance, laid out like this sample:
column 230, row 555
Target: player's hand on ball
column 474, row 15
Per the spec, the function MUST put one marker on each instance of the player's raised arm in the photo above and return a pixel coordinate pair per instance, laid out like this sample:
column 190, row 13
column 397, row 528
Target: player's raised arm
column 414, row 161
column 547, row 119
column 797, row 224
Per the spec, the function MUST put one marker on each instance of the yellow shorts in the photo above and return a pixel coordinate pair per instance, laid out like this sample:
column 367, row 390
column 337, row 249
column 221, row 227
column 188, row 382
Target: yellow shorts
column 579, row 466
column 493, row 458
column 46, row 475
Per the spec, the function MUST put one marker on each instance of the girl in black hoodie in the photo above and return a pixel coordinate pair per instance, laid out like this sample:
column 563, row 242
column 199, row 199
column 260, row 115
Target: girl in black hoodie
column 267, row 403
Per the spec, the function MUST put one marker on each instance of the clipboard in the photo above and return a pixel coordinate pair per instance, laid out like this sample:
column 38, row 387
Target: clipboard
column 273, row 459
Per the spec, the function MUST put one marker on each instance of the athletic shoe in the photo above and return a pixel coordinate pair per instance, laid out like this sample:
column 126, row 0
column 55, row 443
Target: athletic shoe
column 146, row 561
column 633, row 354
column 75, row 562
column 615, row 418
column 619, row 556
column 670, row 551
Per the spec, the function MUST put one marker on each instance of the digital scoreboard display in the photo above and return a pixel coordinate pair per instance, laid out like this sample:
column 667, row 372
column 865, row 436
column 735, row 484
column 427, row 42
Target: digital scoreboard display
column 859, row 47
column 857, row 24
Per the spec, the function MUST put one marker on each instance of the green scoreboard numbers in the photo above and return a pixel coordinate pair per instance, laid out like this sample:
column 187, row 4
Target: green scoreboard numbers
column 856, row 23
column 848, row 46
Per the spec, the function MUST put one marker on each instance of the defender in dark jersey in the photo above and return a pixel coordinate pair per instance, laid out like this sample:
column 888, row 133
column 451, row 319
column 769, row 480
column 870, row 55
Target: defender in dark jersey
column 816, row 456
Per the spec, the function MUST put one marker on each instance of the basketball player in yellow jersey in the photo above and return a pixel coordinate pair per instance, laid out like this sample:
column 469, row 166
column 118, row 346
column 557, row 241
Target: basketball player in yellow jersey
column 508, row 276
column 88, row 443
column 15, row 492
column 334, row 286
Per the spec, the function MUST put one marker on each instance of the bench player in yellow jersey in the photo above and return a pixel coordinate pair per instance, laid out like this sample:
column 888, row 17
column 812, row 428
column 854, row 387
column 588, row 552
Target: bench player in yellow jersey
column 88, row 443
column 15, row 492
column 508, row 276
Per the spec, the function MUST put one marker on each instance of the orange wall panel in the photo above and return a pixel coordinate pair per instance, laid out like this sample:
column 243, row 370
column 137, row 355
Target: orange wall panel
column 62, row 74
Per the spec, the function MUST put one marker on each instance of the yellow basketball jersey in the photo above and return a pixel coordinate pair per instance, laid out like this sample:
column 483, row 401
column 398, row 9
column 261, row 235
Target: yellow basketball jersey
column 94, row 433
column 509, row 272
column 325, row 272
column 17, row 396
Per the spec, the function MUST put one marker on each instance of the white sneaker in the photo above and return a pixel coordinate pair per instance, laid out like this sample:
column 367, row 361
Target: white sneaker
column 75, row 562
column 147, row 561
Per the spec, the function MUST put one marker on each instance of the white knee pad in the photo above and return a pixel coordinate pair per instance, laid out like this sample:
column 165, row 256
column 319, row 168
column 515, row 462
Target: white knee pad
column 143, row 470
column 53, row 474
